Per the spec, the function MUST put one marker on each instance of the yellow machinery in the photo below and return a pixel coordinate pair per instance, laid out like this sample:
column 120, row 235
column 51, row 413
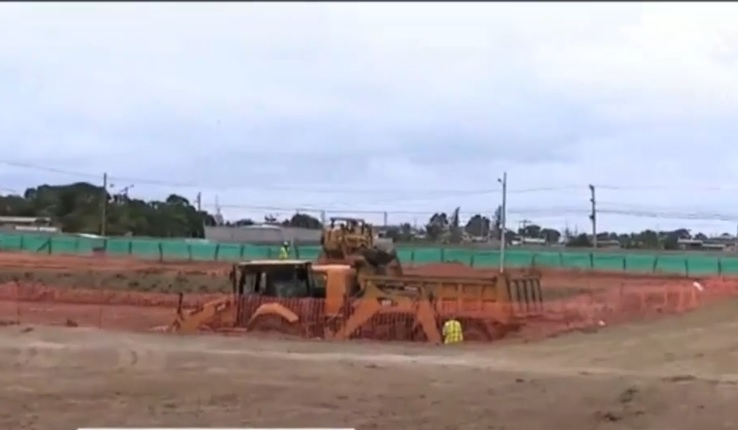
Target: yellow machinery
column 252, row 282
column 338, row 301
column 348, row 240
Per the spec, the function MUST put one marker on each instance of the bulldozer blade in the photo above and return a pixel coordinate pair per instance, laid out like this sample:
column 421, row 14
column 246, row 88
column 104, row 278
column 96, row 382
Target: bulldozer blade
column 180, row 301
column 218, row 311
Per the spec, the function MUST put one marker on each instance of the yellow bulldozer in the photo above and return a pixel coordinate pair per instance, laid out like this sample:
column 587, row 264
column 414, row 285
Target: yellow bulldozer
column 340, row 301
column 350, row 240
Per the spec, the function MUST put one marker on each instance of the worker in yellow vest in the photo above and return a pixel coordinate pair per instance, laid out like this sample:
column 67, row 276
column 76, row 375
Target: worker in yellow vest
column 284, row 251
column 452, row 332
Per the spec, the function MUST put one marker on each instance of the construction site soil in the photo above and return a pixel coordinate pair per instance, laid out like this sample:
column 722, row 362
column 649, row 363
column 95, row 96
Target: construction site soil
column 678, row 372
column 208, row 277
column 137, row 294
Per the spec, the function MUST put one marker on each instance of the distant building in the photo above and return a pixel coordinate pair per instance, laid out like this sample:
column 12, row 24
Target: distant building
column 608, row 243
column 272, row 234
column 262, row 234
column 27, row 224
column 720, row 243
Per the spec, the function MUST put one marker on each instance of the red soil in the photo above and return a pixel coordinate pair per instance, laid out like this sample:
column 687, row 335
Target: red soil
column 612, row 296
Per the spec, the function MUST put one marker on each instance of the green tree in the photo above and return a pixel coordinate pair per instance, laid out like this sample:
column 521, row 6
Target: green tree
column 437, row 225
column 579, row 241
column 478, row 225
column 530, row 230
column 77, row 208
column 551, row 235
column 303, row 221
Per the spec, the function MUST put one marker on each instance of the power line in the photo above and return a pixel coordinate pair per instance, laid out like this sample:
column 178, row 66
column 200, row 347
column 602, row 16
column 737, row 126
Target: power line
column 310, row 208
column 551, row 211
column 622, row 209
column 696, row 216
column 276, row 187
column 333, row 189
column 48, row 169
column 673, row 187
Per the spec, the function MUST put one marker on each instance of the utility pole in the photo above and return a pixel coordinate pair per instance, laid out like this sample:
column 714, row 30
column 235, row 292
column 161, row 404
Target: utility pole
column 198, row 203
column 503, row 217
column 104, row 214
column 593, row 215
column 386, row 216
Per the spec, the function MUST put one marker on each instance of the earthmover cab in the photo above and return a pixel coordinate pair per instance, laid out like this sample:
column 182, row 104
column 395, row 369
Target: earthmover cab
column 275, row 278
column 257, row 286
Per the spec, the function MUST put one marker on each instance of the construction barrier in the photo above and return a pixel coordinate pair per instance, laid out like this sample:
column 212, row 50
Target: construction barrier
column 685, row 264
column 38, row 304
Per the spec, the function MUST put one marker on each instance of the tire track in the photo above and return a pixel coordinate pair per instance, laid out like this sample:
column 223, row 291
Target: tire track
column 97, row 350
column 28, row 351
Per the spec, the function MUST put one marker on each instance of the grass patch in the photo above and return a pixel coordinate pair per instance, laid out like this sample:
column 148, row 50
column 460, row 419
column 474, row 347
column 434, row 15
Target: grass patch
column 559, row 293
column 145, row 280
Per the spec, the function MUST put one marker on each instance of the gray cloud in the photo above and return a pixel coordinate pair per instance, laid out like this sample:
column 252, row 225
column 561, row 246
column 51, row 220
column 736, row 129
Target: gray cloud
column 276, row 104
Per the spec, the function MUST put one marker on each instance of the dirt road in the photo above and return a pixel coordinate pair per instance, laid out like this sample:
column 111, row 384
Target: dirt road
column 680, row 373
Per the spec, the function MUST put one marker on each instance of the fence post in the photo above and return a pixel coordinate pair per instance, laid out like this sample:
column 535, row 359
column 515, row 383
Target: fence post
column 443, row 254
column 23, row 243
column 471, row 260
column 561, row 259
column 240, row 255
column 161, row 251
column 48, row 242
column 17, row 301
column 533, row 260
column 130, row 247
column 686, row 266
column 217, row 252
column 720, row 266
column 412, row 257
column 591, row 260
column 655, row 264
column 189, row 251
column 625, row 264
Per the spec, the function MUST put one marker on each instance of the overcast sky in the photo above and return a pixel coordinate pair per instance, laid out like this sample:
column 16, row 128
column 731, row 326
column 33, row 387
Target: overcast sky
column 405, row 108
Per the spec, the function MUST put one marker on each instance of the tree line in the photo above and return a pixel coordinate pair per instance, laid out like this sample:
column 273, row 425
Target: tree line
column 447, row 228
column 78, row 208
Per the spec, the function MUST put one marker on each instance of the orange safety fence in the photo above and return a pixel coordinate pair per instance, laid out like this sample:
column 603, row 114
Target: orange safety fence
column 22, row 303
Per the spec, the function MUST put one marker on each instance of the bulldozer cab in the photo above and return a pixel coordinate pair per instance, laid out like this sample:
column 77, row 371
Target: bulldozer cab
column 350, row 225
column 275, row 278
column 345, row 237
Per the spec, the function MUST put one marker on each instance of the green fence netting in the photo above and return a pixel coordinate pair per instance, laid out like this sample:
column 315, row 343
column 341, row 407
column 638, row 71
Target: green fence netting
column 164, row 249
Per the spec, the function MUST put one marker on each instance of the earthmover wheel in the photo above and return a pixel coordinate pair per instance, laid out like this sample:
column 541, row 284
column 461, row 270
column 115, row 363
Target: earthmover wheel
column 275, row 324
column 476, row 331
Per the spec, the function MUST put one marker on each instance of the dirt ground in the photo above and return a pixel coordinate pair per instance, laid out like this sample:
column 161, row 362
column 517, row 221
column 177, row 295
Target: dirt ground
column 126, row 274
column 677, row 373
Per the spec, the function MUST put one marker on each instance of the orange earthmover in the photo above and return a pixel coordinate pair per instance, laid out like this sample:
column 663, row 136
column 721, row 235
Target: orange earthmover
column 361, row 300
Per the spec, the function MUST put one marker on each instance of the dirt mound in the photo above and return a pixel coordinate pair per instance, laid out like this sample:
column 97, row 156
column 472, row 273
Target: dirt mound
column 444, row 269
column 29, row 292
